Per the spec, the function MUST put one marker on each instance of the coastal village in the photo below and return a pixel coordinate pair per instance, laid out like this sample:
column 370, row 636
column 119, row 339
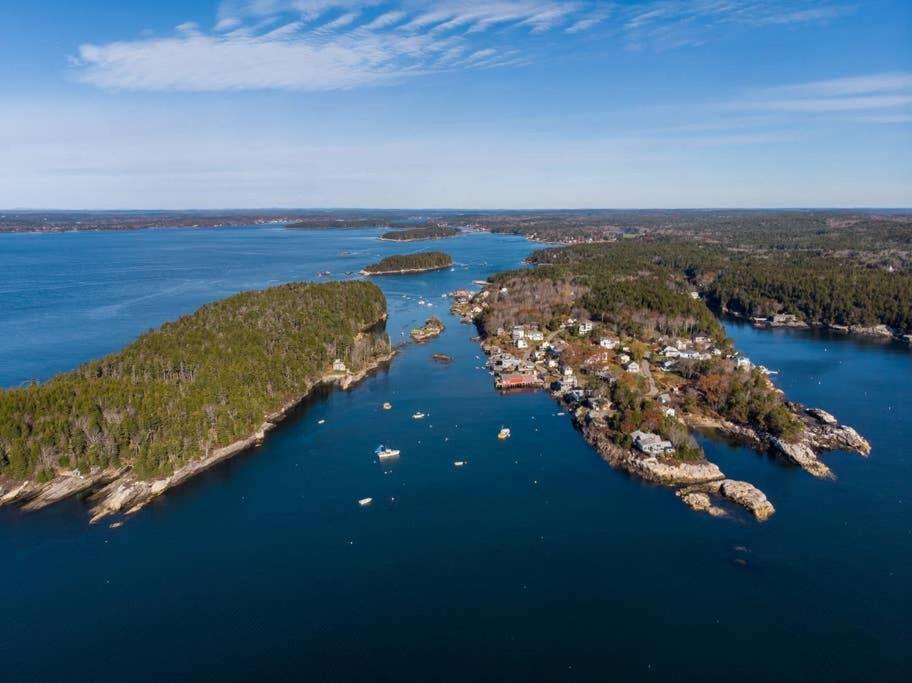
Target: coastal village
column 595, row 374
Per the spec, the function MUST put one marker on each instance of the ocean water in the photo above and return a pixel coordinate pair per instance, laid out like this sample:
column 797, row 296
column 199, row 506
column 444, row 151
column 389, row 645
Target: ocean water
column 534, row 561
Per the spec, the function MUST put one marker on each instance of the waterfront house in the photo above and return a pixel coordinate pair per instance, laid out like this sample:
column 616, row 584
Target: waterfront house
column 516, row 380
column 651, row 444
column 339, row 366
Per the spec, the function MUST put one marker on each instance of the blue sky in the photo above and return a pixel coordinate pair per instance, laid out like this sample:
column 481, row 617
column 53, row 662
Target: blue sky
column 470, row 104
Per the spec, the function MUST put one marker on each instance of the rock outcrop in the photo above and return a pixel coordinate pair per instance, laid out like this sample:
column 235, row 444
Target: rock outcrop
column 658, row 471
column 741, row 493
column 700, row 502
column 837, row 438
column 802, row 455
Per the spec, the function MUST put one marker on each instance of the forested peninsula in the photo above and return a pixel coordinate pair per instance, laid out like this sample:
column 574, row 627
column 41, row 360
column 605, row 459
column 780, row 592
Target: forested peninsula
column 787, row 287
column 409, row 263
column 620, row 334
column 129, row 426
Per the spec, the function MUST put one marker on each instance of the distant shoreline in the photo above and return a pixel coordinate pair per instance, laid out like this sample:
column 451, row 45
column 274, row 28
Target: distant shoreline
column 405, row 271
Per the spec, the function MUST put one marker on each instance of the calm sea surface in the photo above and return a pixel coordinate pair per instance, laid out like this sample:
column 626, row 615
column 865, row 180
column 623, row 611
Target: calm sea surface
column 534, row 561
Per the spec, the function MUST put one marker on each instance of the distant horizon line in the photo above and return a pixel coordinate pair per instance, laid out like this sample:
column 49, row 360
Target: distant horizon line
column 450, row 209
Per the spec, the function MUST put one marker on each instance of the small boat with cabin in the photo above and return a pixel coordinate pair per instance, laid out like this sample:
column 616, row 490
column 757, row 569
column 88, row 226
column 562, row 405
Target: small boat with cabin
column 383, row 452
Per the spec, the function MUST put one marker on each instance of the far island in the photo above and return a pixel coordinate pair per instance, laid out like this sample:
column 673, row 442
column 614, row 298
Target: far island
column 400, row 264
column 419, row 234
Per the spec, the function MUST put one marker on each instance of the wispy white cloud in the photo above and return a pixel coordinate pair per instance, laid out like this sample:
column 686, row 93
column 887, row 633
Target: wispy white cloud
column 870, row 92
column 341, row 21
column 330, row 44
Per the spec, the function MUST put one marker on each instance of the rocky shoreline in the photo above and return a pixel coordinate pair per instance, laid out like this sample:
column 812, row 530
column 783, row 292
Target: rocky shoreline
column 118, row 491
column 405, row 271
column 882, row 332
column 824, row 435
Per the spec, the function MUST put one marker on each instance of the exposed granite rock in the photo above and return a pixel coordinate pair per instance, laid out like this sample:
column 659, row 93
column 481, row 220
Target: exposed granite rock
column 822, row 416
column 748, row 495
column 803, row 455
column 650, row 468
column 873, row 331
column 837, row 438
column 701, row 502
column 820, row 435
column 740, row 492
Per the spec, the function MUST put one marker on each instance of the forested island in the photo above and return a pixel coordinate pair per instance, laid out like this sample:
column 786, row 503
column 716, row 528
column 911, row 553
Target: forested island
column 419, row 234
column 197, row 390
column 620, row 334
column 400, row 264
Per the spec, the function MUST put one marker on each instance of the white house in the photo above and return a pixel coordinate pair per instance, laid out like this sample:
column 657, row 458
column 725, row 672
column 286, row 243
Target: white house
column 521, row 344
column 585, row 327
column 536, row 336
column 743, row 363
column 339, row 366
column 623, row 359
column 651, row 444
column 632, row 366
column 519, row 332
column 607, row 343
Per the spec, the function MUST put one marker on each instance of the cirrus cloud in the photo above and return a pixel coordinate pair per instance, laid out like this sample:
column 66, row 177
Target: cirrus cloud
column 334, row 44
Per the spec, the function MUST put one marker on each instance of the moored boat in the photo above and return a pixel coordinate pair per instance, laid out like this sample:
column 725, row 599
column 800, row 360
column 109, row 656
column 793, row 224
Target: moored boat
column 383, row 452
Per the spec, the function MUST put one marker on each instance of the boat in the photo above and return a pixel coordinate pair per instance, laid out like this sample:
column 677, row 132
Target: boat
column 459, row 463
column 419, row 416
column 387, row 405
column 320, row 422
column 364, row 502
column 503, row 434
column 383, row 452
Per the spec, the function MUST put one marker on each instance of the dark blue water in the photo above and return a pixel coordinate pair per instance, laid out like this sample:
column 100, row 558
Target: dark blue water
column 534, row 561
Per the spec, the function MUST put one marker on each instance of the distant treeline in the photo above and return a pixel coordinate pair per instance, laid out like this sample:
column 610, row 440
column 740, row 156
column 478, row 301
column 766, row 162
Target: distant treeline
column 194, row 385
column 414, row 234
column 817, row 289
column 424, row 260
